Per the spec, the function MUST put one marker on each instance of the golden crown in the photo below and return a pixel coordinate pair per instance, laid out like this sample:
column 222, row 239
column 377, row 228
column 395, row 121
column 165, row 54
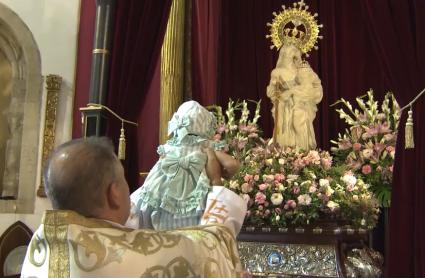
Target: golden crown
column 295, row 25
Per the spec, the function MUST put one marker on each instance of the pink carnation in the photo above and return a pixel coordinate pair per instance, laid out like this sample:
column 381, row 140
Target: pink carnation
column 357, row 146
column 366, row 169
column 260, row 198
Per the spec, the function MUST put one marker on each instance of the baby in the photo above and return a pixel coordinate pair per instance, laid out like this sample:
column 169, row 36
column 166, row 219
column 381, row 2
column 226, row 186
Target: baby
column 174, row 193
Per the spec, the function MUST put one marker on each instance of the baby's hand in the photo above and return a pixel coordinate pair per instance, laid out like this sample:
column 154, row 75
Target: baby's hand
column 213, row 167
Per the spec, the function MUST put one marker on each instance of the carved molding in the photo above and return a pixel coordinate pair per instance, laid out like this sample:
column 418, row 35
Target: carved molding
column 23, row 115
column 53, row 87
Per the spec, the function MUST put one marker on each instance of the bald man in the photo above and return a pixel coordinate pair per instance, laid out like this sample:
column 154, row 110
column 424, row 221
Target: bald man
column 84, row 236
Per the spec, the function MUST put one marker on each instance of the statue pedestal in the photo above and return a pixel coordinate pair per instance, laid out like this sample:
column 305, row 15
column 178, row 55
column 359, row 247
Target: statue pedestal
column 320, row 251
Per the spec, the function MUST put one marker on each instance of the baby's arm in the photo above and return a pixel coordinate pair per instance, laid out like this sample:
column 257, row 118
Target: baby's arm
column 230, row 166
column 213, row 167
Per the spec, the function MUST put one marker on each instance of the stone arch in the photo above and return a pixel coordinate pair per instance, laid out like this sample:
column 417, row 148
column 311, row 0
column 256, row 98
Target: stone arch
column 19, row 179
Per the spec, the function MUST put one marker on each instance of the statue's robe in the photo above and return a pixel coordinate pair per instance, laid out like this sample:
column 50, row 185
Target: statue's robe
column 70, row 245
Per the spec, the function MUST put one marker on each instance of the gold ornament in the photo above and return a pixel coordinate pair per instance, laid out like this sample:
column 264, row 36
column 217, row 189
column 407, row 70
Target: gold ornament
column 295, row 25
column 408, row 132
column 122, row 144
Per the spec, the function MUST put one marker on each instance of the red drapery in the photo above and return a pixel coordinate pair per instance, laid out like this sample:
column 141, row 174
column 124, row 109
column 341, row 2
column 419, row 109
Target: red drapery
column 138, row 34
column 84, row 59
column 205, row 42
column 398, row 32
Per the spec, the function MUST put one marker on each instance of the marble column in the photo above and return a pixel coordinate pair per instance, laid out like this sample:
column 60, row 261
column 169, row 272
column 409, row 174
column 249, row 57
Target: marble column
column 94, row 119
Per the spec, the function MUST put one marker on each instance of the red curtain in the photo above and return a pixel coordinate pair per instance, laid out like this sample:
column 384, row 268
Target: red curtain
column 84, row 59
column 205, row 42
column 398, row 32
column 138, row 34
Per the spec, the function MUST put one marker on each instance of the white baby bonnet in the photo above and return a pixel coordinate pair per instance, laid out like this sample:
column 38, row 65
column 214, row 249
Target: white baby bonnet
column 192, row 119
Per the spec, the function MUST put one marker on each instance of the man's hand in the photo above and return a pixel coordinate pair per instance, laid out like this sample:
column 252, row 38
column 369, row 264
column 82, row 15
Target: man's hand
column 213, row 167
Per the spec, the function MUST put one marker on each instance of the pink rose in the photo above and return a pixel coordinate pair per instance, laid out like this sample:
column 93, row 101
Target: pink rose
column 312, row 189
column 296, row 190
column 248, row 178
column 256, row 177
column 391, row 168
column 291, row 204
column 357, row 146
column 260, row 198
column 263, row 186
column 366, row 169
column 279, row 177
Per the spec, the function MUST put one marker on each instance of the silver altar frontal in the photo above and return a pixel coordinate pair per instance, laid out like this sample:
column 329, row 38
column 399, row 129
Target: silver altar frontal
column 326, row 251
column 265, row 259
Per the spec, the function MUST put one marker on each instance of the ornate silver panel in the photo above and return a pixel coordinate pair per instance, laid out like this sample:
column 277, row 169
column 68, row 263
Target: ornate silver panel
column 264, row 259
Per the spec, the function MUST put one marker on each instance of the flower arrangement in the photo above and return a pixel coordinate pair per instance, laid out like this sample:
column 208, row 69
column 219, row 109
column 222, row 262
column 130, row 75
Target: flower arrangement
column 368, row 145
column 287, row 187
column 240, row 135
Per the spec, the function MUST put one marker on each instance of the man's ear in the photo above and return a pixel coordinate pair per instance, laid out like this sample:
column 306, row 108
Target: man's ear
column 113, row 194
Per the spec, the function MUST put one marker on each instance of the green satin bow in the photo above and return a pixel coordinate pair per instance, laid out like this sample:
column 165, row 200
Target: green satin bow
column 177, row 125
column 173, row 165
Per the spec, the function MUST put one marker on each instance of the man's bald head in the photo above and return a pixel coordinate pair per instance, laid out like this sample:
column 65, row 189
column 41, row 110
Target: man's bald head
column 78, row 174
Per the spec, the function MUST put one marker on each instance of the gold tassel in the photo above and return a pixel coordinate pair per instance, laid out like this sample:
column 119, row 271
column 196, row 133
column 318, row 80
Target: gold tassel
column 408, row 132
column 121, row 145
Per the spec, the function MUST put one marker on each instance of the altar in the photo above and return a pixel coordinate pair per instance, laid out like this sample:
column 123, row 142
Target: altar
column 330, row 251
column 310, row 212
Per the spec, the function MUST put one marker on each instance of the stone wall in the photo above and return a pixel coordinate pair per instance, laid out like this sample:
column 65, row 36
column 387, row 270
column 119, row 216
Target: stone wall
column 45, row 30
